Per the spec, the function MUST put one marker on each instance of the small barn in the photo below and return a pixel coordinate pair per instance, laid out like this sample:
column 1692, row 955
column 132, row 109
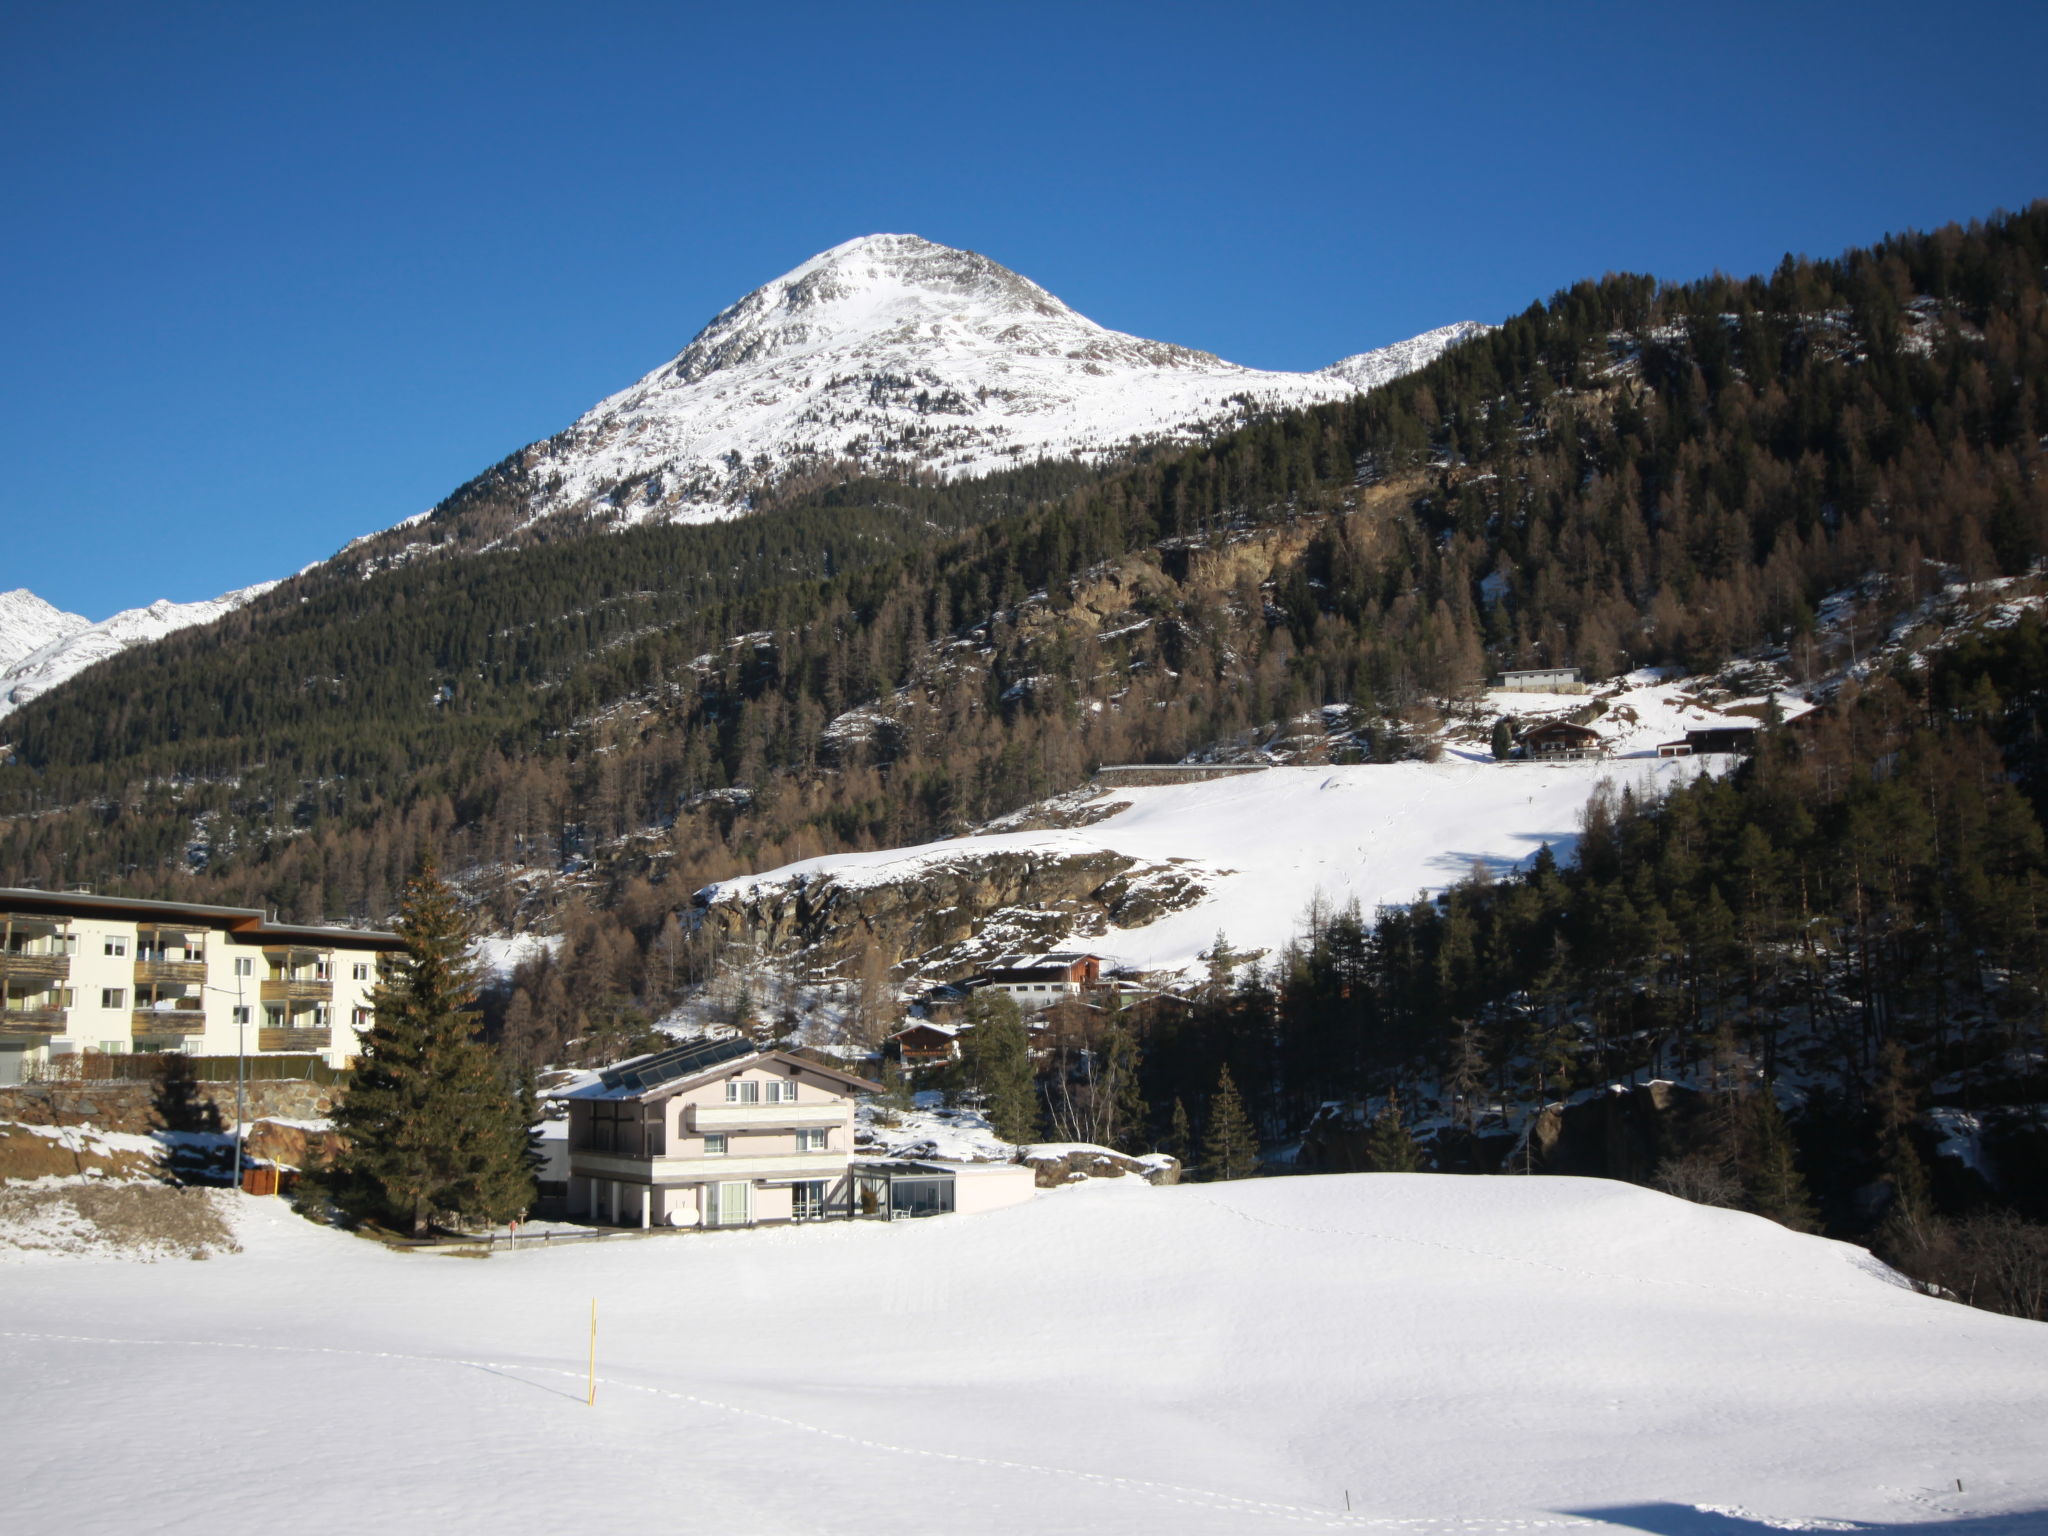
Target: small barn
column 1722, row 738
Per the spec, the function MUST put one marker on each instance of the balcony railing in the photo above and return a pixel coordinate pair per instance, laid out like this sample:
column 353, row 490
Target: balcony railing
column 762, row 1117
column 187, row 971
column 274, row 1039
column 17, row 1022
column 168, row 1021
column 297, row 989
column 40, row 967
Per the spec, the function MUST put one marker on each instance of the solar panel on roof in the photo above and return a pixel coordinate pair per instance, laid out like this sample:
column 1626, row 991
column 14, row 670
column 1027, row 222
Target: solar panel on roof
column 677, row 1062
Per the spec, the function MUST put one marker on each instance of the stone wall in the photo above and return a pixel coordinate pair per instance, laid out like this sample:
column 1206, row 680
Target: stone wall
column 139, row 1108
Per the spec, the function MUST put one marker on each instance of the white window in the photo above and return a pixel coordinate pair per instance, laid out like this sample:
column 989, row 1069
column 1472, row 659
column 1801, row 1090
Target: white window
column 360, row 970
column 242, row 1015
column 320, row 970
column 807, row 1200
column 781, row 1093
column 737, row 1092
column 114, row 1047
column 319, row 1015
column 714, row 1146
column 117, row 944
column 113, row 997
column 811, row 1141
column 362, row 1018
column 245, row 965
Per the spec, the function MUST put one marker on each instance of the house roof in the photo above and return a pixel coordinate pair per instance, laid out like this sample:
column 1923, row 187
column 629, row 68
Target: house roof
column 683, row 1066
column 1560, row 728
column 243, row 923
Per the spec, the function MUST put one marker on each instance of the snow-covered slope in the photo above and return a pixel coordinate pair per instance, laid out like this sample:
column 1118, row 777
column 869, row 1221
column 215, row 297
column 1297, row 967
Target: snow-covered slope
column 75, row 648
column 890, row 353
column 1456, row 1355
column 27, row 624
column 1260, row 847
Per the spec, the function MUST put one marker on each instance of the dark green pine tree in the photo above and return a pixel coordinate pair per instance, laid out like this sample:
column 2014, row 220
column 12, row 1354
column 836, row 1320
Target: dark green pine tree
column 1503, row 739
column 1776, row 1187
column 1230, row 1150
column 995, row 1062
column 1390, row 1148
column 432, row 1125
column 1180, row 1136
column 1129, row 1112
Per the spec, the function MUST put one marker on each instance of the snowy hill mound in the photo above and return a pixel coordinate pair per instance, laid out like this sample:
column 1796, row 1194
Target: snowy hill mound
column 890, row 354
column 1152, row 874
column 1457, row 1355
column 73, row 648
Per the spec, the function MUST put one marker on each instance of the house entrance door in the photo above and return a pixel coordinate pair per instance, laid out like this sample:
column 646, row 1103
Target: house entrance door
column 729, row 1205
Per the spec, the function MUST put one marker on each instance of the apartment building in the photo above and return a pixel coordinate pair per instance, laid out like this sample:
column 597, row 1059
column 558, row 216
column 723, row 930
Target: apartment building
column 109, row 973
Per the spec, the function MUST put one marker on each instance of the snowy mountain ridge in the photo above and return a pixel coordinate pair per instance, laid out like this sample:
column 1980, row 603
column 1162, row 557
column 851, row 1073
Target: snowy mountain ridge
column 70, row 643
column 27, row 623
column 890, row 354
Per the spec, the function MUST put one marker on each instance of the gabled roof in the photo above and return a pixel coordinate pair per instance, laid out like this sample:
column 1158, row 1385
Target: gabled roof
column 683, row 1066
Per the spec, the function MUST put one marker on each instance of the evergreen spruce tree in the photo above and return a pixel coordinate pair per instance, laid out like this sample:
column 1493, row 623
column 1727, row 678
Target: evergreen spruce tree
column 995, row 1062
column 1776, row 1187
column 1129, row 1112
column 1180, row 1136
column 1503, row 739
column 1231, row 1148
column 1390, row 1149
column 431, row 1125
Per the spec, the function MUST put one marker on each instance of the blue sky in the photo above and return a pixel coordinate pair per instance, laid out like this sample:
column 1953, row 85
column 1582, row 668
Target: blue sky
column 274, row 276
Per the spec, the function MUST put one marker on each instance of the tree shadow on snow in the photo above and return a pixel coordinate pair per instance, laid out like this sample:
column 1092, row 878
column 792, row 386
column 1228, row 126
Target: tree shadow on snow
column 1689, row 1520
column 1458, row 862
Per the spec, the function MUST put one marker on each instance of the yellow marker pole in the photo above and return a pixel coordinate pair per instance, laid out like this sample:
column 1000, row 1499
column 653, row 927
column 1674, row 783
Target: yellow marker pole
column 591, row 1400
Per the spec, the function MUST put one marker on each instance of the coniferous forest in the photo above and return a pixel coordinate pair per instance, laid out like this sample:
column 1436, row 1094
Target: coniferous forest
column 591, row 725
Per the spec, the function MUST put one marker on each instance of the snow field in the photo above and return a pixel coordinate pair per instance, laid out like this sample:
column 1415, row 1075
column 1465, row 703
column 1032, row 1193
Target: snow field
column 1462, row 1355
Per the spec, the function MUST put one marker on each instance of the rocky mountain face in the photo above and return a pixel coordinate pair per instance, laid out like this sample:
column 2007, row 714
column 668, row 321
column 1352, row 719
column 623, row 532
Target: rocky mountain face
column 886, row 356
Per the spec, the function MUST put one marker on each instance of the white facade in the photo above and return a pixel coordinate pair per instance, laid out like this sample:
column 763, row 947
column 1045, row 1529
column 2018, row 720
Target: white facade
column 762, row 1136
column 87, row 973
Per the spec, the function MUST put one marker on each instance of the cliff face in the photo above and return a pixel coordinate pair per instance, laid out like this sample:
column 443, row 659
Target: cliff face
column 939, row 918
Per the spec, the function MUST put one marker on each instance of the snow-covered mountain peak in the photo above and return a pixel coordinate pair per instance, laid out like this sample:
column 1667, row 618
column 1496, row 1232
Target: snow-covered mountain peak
column 27, row 623
column 71, row 647
column 891, row 355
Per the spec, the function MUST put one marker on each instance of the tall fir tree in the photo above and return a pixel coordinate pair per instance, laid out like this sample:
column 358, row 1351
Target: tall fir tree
column 995, row 1062
column 432, row 1126
column 1230, row 1150
column 1129, row 1113
column 1180, row 1135
column 1390, row 1148
column 1776, row 1187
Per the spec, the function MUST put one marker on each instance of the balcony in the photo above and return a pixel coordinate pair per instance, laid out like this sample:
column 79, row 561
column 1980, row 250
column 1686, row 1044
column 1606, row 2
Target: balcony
column 167, row 1021
column 296, row 989
column 28, row 966
column 181, row 972
column 271, row 1038
column 31, row 1023
column 701, row 1118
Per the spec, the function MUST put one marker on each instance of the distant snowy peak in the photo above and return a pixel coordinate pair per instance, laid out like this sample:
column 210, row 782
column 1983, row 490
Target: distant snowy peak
column 79, row 645
column 27, row 623
column 891, row 355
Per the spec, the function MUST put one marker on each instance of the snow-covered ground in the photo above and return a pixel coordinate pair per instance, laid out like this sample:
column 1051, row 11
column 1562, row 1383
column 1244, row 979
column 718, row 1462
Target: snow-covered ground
column 1457, row 1355
column 69, row 648
column 1264, row 845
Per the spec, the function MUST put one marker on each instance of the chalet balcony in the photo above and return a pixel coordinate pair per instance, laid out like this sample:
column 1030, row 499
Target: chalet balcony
column 28, row 966
column 177, row 972
column 167, row 1021
column 31, row 1023
column 296, row 989
column 272, row 1038
column 701, row 1118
